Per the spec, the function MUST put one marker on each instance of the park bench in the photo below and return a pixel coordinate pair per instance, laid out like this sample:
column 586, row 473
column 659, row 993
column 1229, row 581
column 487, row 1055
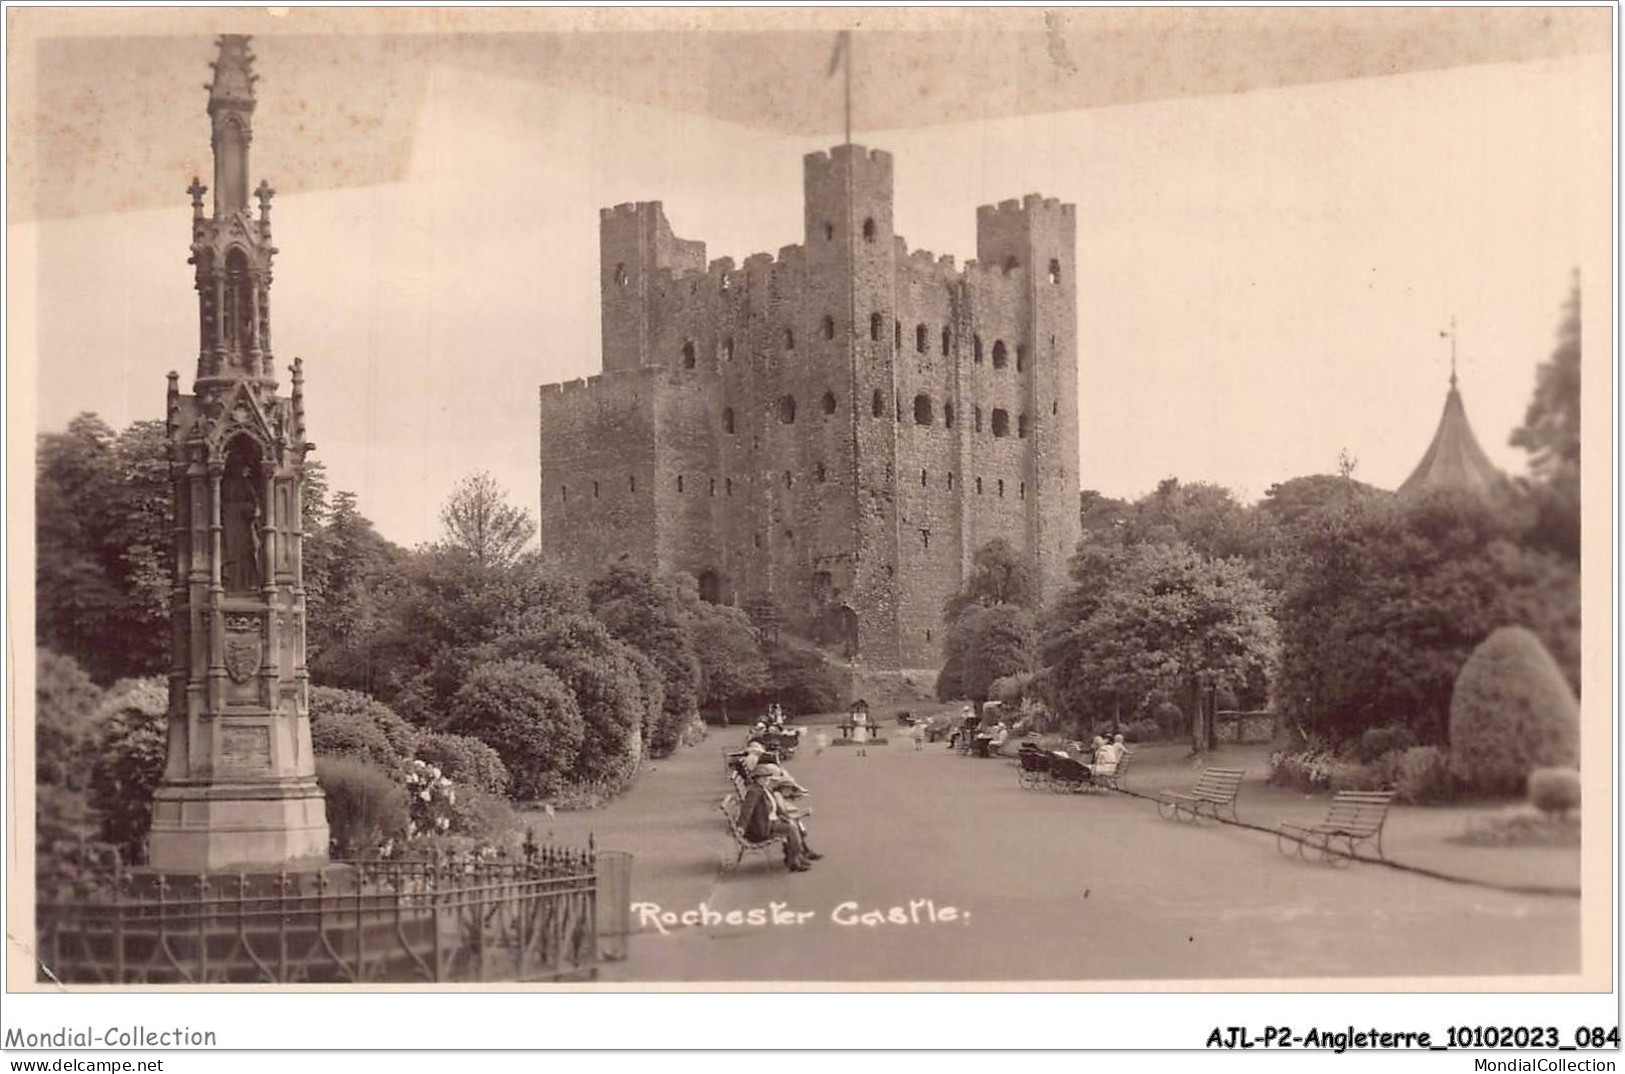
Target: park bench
column 1215, row 790
column 1355, row 817
column 1068, row 775
column 1113, row 778
column 730, row 810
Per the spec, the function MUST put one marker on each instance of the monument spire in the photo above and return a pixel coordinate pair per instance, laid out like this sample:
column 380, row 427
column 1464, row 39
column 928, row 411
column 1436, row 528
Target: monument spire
column 232, row 251
column 231, row 108
column 239, row 789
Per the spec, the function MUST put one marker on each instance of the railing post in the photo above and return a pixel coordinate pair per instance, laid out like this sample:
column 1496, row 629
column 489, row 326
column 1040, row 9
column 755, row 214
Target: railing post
column 202, row 928
column 282, row 926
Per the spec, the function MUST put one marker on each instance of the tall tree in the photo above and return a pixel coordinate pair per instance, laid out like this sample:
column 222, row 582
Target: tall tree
column 479, row 520
column 1551, row 434
column 1165, row 620
column 102, row 581
column 999, row 575
column 1387, row 598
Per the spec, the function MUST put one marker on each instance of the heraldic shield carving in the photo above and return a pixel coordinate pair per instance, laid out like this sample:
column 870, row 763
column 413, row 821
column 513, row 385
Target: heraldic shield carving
column 244, row 649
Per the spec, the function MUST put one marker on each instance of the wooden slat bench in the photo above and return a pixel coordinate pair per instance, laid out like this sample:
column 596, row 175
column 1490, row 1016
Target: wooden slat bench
column 1114, row 778
column 1355, row 817
column 1215, row 790
column 730, row 809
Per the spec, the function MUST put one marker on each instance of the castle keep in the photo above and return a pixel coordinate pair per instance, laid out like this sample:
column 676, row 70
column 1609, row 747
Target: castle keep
column 836, row 430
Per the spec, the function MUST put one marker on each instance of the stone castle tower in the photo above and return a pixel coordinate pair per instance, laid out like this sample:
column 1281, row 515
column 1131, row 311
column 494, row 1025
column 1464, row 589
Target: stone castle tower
column 239, row 790
column 834, row 431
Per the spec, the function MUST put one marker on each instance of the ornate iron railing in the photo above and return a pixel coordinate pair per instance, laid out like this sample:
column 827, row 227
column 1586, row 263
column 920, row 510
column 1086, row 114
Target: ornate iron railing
column 449, row 919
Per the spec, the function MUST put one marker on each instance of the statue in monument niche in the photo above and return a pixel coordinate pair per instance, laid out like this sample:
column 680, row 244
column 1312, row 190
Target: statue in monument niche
column 240, row 524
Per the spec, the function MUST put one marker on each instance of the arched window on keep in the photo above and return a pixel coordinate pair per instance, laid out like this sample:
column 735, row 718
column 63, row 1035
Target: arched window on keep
column 688, row 354
column 1021, row 426
column 877, row 325
column 877, row 403
column 789, row 339
column 1001, row 357
column 1054, row 270
column 828, row 403
column 869, row 230
column 787, row 409
column 947, row 341
column 621, row 278
column 1001, row 422
column 728, row 419
column 948, row 415
column 922, row 410
column 897, row 334
column 1021, row 357
column 728, row 349
column 829, row 327
column 921, row 342
column 976, row 418
column 976, row 348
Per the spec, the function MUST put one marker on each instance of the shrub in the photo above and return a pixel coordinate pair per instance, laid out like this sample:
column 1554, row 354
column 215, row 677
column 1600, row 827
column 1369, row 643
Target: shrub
column 1554, row 790
column 806, row 682
column 366, row 807
column 1354, row 776
column 1511, row 712
column 1308, row 770
column 1421, row 775
column 129, row 760
column 349, row 723
column 1142, row 731
column 485, row 817
column 466, row 761
column 353, row 735
column 65, row 702
column 1377, row 741
column 524, row 712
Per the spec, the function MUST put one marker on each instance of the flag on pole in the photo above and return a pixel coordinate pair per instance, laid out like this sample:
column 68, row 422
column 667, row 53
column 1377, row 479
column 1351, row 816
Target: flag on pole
column 842, row 41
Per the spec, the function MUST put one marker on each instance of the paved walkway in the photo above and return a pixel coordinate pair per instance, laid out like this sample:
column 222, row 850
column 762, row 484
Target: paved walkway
column 1042, row 887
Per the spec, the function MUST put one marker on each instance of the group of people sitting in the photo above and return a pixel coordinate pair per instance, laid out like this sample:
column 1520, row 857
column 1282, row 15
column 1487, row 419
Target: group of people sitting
column 768, row 808
column 984, row 739
column 1103, row 755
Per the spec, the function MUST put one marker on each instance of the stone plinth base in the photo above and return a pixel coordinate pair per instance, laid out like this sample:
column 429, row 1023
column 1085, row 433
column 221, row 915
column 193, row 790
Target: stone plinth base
column 225, row 827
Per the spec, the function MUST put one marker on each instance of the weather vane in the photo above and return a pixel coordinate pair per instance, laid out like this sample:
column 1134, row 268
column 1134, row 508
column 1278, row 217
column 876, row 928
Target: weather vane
column 1451, row 335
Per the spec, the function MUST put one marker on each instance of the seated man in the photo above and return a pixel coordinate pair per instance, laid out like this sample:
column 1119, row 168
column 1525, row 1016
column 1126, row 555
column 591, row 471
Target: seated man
column 760, row 820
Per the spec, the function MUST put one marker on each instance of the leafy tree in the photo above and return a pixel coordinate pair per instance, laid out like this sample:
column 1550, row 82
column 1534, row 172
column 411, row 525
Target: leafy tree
column 129, row 760
column 65, row 705
column 1551, row 434
column 653, row 614
column 984, row 645
column 602, row 675
column 524, row 712
column 479, row 520
column 732, row 664
column 351, row 576
column 999, row 575
column 1165, row 620
column 103, row 541
column 1387, row 598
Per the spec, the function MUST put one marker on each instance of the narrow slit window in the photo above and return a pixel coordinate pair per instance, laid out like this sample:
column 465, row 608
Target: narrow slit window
column 829, row 327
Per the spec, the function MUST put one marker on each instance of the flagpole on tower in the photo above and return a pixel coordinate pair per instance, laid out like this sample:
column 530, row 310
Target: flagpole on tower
column 846, row 38
column 842, row 56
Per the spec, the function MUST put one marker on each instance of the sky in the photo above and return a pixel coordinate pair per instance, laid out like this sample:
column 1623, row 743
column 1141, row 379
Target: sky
column 1263, row 276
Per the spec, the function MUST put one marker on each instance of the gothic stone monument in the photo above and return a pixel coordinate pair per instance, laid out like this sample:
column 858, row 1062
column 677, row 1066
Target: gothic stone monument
column 239, row 790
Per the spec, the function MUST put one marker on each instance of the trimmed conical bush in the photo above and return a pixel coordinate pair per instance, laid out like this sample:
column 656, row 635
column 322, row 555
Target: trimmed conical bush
column 1511, row 712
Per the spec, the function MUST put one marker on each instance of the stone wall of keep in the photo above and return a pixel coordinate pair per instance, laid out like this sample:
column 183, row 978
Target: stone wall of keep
column 598, row 470
column 787, row 423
